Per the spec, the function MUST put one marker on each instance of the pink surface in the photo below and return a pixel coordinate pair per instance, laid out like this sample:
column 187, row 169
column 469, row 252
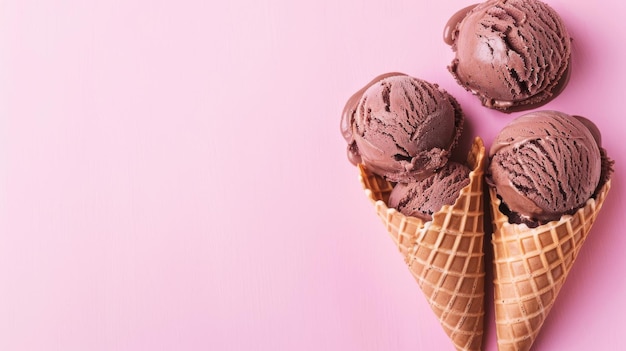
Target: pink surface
column 172, row 176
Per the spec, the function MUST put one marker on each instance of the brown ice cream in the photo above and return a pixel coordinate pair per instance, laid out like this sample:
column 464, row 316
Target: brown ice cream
column 544, row 164
column 513, row 55
column 400, row 127
column 423, row 198
column 551, row 168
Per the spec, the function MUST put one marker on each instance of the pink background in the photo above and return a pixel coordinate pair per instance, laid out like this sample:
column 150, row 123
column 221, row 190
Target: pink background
column 172, row 176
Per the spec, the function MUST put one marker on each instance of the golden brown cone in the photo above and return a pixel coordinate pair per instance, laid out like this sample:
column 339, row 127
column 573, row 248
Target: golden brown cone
column 444, row 255
column 530, row 266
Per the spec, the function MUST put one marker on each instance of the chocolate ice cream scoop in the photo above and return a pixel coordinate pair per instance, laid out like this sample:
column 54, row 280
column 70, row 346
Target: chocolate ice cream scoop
column 423, row 198
column 400, row 127
column 544, row 164
column 514, row 55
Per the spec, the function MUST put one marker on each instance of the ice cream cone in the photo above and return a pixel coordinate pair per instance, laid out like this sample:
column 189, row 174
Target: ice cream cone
column 530, row 267
column 444, row 255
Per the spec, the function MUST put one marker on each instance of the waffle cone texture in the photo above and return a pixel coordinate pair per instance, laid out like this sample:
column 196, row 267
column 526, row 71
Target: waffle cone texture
column 445, row 255
column 530, row 267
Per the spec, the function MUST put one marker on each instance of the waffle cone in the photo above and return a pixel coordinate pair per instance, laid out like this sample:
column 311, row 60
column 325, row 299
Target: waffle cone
column 444, row 255
column 530, row 267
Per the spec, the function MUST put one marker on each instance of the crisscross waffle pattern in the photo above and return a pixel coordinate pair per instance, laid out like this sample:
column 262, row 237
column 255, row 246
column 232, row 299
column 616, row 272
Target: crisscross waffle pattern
column 445, row 255
column 530, row 267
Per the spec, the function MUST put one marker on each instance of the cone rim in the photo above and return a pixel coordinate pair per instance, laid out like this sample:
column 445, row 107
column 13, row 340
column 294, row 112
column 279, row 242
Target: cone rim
column 475, row 159
column 596, row 200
